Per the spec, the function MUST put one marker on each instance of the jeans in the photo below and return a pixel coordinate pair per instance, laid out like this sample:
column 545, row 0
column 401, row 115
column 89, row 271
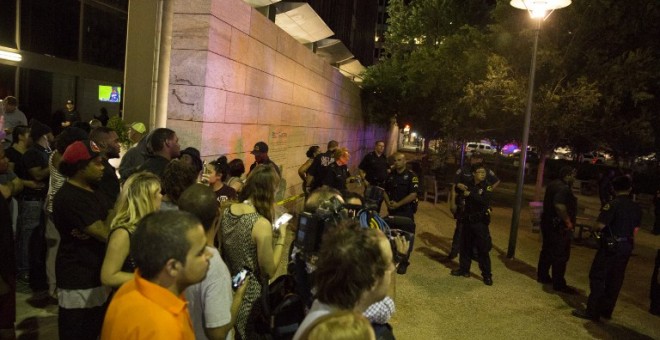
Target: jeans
column 31, row 242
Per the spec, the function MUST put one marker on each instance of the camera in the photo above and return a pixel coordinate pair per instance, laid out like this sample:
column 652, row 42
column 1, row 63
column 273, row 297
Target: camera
column 311, row 227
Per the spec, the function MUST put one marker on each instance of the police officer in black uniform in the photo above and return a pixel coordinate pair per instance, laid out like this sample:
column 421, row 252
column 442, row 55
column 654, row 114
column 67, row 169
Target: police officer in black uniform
column 457, row 200
column 374, row 167
column 400, row 196
column 557, row 221
column 475, row 221
column 618, row 221
column 337, row 172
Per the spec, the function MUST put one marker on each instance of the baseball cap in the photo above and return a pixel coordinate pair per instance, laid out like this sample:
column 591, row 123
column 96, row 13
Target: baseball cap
column 260, row 147
column 138, row 127
column 81, row 150
column 69, row 101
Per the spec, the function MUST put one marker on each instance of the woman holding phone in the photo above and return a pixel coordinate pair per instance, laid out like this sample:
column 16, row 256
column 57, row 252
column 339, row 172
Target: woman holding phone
column 248, row 240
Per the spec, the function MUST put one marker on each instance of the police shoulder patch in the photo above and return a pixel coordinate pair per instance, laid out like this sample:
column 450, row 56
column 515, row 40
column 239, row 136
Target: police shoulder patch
column 489, row 188
column 606, row 207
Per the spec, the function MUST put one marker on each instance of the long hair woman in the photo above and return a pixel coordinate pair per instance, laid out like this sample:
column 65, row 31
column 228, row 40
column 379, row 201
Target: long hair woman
column 312, row 152
column 139, row 197
column 247, row 241
column 236, row 171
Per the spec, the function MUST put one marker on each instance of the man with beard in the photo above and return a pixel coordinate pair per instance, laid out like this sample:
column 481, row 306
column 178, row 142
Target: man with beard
column 80, row 213
column 108, row 141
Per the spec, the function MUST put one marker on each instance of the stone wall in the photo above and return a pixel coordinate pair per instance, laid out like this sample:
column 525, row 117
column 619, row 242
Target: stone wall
column 236, row 79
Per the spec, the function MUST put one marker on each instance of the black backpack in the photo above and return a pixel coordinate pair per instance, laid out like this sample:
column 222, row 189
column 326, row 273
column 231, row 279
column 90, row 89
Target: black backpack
column 283, row 309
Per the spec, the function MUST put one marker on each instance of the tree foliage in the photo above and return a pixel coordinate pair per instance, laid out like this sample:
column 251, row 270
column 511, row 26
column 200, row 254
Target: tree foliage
column 461, row 68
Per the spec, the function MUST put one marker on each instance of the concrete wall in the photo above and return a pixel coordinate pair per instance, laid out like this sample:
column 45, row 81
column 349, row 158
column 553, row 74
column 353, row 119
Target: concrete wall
column 236, row 79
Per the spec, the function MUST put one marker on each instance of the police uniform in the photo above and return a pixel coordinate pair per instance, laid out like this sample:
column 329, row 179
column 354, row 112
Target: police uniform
column 464, row 176
column 475, row 221
column 621, row 216
column 335, row 176
column 375, row 168
column 400, row 185
column 556, row 247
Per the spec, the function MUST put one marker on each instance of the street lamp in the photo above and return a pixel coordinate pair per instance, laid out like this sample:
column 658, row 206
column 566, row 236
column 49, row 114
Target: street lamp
column 539, row 10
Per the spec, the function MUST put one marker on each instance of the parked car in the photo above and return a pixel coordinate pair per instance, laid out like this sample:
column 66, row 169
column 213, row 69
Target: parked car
column 482, row 148
column 592, row 157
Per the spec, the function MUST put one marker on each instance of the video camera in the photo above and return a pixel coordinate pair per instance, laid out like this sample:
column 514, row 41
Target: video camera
column 312, row 226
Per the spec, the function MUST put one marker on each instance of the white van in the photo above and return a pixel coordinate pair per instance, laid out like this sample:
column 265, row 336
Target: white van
column 482, row 148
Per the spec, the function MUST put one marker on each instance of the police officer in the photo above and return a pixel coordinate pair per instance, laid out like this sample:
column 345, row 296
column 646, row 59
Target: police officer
column 457, row 200
column 557, row 221
column 401, row 189
column 618, row 221
column 475, row 221
column 400, row 196
column 337, row 172
column 374, row 168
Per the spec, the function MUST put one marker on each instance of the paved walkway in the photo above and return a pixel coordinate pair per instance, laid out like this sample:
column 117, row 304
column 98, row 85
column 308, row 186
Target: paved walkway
column 434, row 305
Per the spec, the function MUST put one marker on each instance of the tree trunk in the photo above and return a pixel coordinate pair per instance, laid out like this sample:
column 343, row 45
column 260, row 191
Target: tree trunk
column 539, row 177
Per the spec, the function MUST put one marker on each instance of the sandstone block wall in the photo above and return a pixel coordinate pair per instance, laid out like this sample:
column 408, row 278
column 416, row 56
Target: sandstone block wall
column 236, row 79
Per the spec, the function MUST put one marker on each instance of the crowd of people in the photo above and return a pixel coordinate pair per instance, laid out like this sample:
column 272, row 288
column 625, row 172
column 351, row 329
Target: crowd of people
column 159, row 246
column 117, row 249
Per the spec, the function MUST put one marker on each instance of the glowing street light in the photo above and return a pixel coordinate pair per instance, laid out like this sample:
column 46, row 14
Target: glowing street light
column 539, row 10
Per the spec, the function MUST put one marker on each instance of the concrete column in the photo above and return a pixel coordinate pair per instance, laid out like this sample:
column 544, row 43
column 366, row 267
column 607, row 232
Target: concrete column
column 147, row 48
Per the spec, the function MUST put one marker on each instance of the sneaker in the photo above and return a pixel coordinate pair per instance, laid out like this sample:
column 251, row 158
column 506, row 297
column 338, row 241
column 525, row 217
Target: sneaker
column 458, row 272
column 488, row 281
column 403, row 267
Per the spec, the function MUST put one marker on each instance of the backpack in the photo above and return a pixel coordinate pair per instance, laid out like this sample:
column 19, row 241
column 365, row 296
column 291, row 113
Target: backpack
column 283, row 308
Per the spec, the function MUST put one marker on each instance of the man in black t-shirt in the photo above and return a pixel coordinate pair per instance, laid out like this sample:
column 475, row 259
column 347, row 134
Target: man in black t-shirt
column 79, row 213
column 163, row 146
column 30, row 241
column 260, row 152
column 557, row 221
column 316, row 171
column 108, row 141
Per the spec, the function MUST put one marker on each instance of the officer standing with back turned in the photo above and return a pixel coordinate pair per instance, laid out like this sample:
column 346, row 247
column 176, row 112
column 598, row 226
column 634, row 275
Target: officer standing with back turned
column 618, row 221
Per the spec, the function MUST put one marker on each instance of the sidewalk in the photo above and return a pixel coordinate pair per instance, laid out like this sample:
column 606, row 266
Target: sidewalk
column 431, row 304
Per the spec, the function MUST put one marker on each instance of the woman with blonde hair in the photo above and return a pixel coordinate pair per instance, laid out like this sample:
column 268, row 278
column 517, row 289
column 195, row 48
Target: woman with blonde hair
column 247, row 241
column 341, row 325
column 139, row 197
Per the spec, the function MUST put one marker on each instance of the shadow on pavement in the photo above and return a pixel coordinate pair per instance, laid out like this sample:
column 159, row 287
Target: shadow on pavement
column 515, row 264
column 36, row 327
column 607, row 330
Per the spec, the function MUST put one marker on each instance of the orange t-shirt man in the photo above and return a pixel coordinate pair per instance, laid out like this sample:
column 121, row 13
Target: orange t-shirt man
column 145, row 310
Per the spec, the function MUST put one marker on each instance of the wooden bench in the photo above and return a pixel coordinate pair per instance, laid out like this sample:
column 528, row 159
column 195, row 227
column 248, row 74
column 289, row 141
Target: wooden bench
column 586, row 222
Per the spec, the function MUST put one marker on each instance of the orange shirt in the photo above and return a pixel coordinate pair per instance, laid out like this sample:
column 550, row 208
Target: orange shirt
column 144, row 310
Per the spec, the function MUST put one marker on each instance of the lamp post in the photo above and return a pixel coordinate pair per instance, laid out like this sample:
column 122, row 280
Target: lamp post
column 539, row 10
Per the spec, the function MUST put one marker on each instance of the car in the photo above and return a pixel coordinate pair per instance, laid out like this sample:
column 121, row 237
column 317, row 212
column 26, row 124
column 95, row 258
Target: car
column 483, row 148
column 592, row 157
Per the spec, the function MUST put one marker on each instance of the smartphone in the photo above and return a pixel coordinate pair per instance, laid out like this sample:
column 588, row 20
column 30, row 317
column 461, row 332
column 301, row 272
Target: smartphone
column 286, row 217
column 239, row 278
